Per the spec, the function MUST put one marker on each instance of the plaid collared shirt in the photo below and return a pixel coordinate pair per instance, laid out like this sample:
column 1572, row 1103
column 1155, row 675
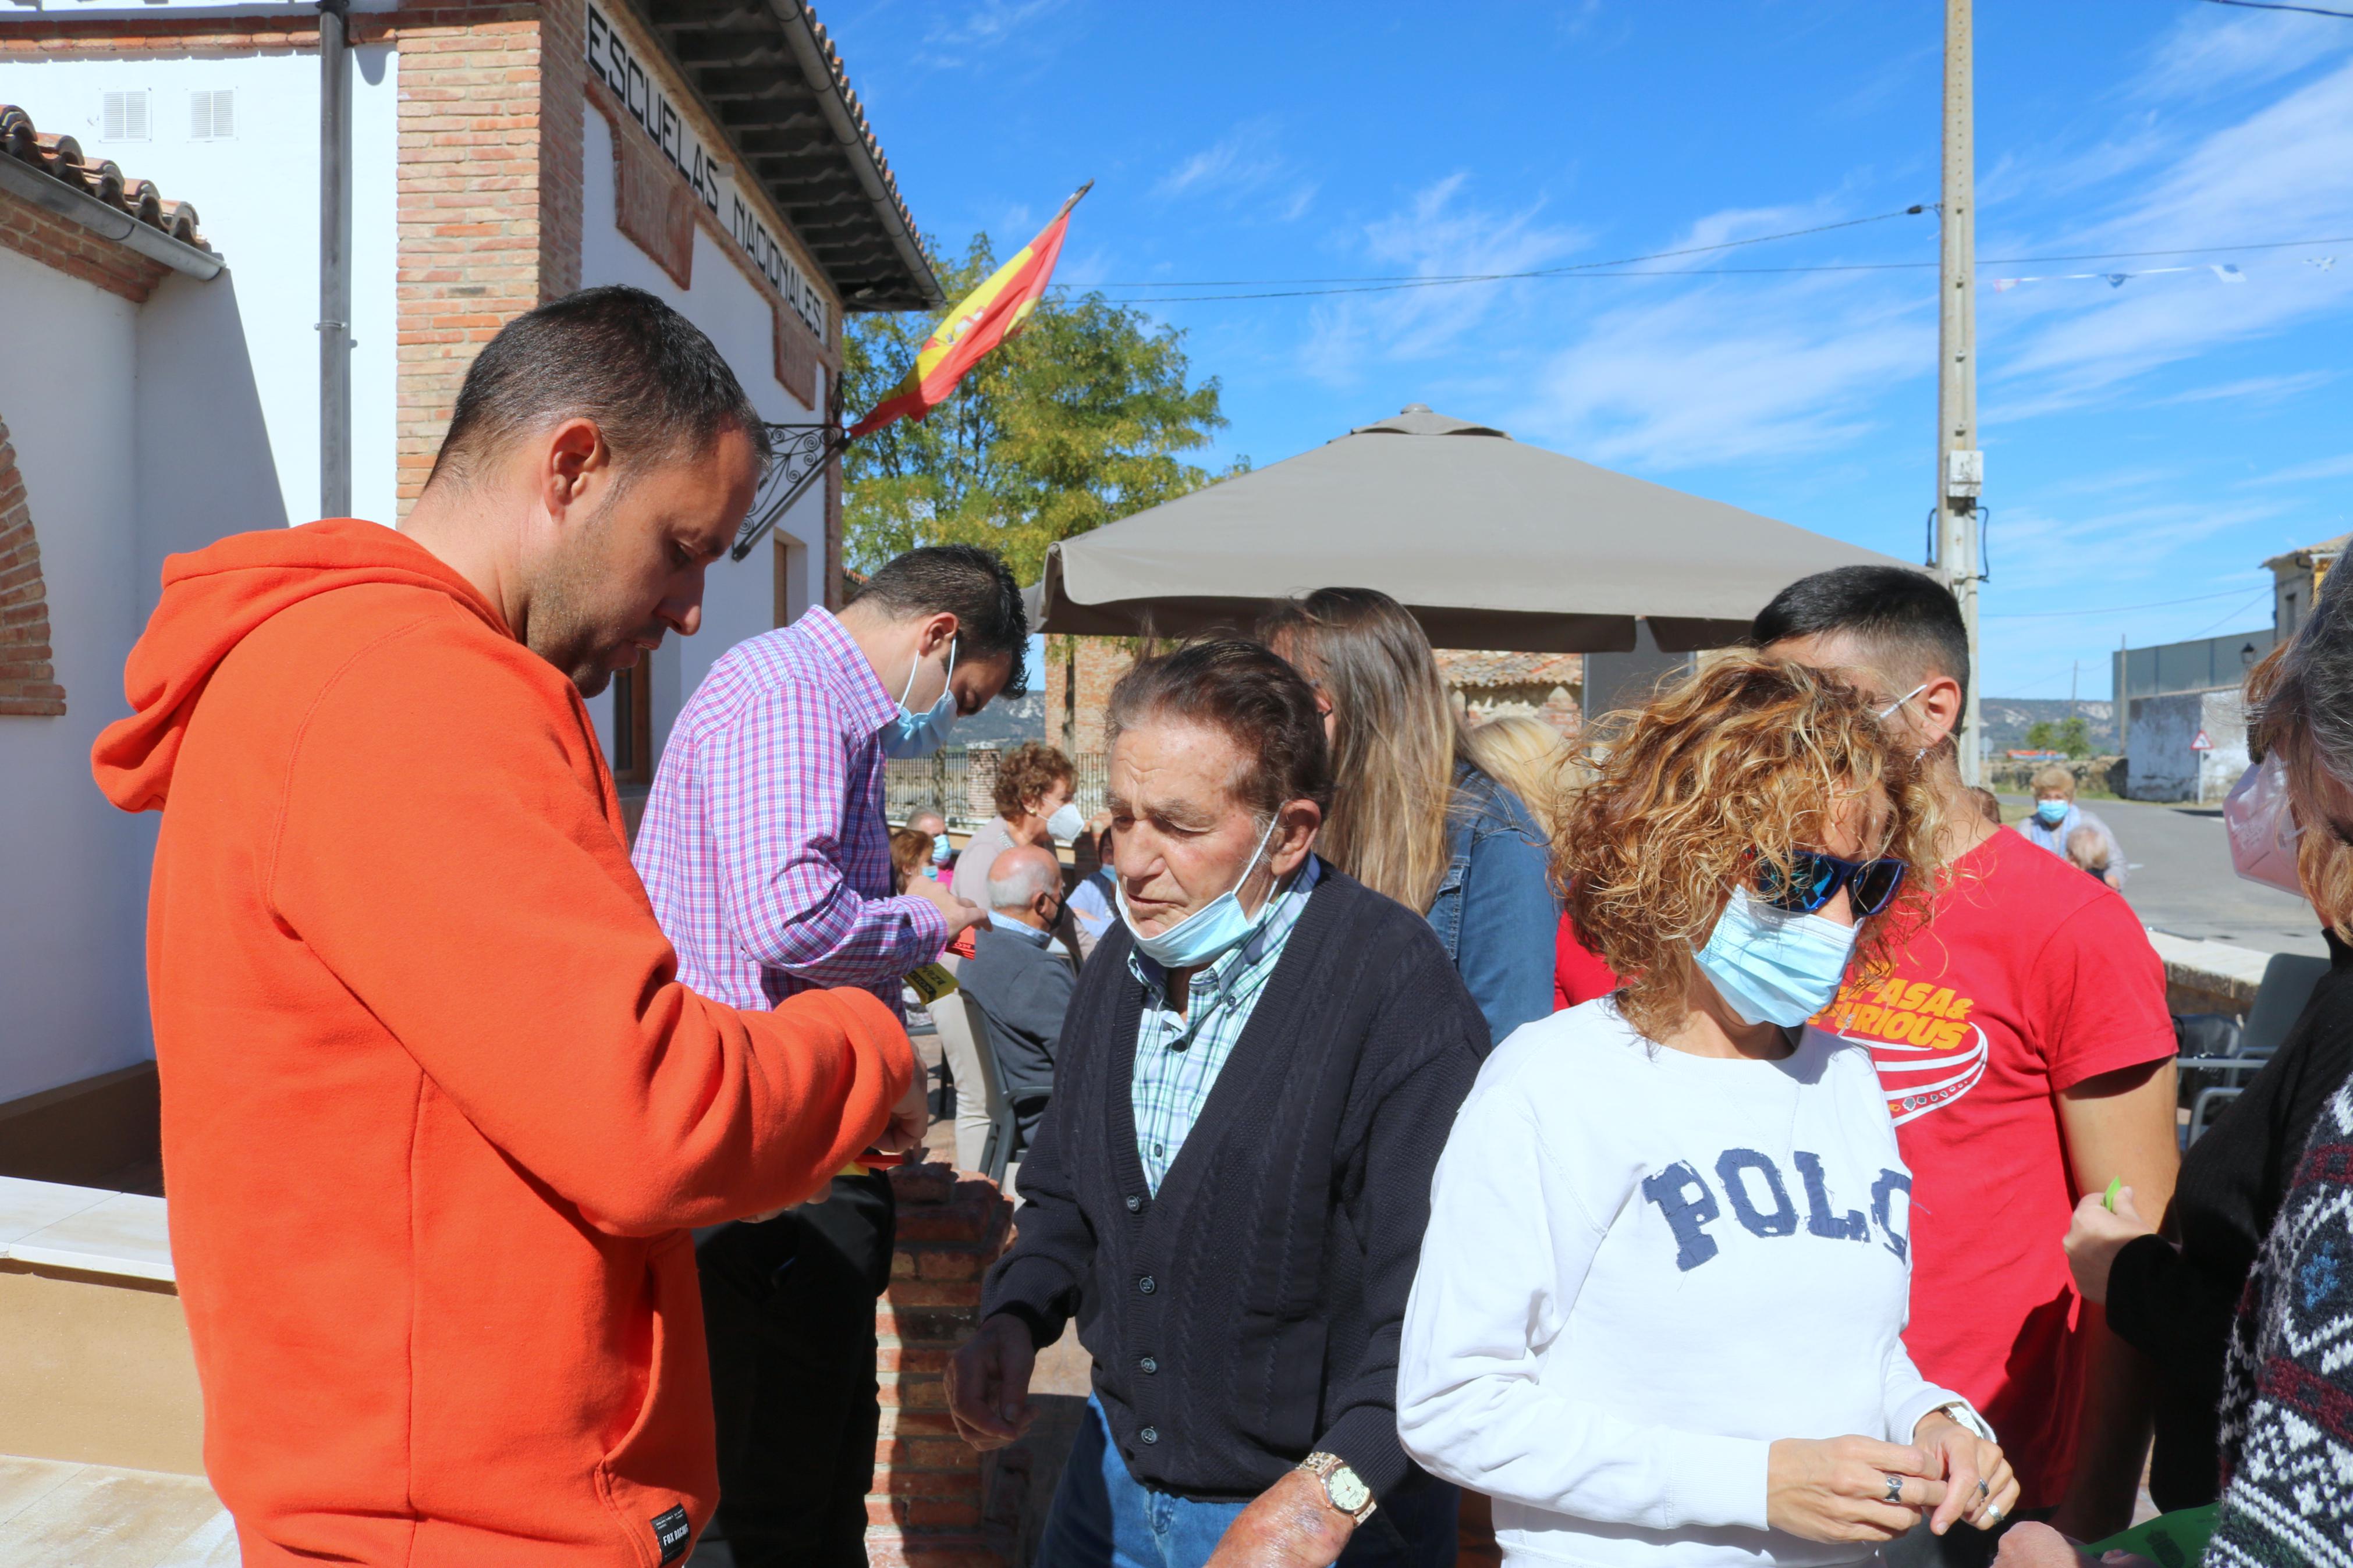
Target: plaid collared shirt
column 1180, row 1055
column 764, row 847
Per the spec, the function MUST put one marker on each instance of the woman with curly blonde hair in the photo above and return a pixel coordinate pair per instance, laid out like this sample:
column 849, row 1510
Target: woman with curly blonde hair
column 1658, row 1312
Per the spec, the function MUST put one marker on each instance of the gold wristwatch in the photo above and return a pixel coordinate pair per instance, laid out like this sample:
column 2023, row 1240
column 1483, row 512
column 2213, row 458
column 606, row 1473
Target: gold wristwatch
column 1342, row 1487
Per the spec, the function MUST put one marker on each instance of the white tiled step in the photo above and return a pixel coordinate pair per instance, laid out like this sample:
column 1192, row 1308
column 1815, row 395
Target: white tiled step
column 55, row 1514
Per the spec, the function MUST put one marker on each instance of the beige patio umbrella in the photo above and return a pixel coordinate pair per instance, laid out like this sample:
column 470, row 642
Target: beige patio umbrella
column 1492, row 543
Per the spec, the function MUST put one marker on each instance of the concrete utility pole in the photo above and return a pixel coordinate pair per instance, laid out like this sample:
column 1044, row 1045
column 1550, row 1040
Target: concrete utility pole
column 1960, row 466
column 334, row 261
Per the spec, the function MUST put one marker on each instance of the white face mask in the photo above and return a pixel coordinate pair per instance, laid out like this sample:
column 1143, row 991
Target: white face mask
column 1066, row 824
column 2264, row 831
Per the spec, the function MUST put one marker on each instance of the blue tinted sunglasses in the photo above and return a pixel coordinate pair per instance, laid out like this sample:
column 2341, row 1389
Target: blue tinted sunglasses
column 1814, row 879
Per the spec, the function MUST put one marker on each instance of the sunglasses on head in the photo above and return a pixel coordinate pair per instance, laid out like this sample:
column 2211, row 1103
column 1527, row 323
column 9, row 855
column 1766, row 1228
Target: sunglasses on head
column 1814, row 878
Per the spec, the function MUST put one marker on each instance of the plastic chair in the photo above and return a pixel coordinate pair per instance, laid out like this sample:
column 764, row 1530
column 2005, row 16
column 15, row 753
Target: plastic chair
column 996, row 1148
column 2280, row 999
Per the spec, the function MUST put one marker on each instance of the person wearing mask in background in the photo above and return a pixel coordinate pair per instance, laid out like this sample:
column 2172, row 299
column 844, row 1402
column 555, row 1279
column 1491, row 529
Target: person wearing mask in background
column 1412, row 815
column 1022, row 981
column 911, row 855
column 1092, row 904
column 1229, row 1187
column 1032, row 795
column 2027, row 1054
column 2056, row 819
column 438, row 1103
column 1531, row 759
column 1666, row 1265
column 936, row 827
column 764, row 851
column 2172, row 1295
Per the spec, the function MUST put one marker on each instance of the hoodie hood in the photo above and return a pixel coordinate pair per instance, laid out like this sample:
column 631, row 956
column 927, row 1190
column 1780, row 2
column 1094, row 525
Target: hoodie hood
column 215, row 598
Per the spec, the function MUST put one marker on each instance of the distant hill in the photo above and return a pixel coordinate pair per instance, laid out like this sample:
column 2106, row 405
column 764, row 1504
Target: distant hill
column 1004, row 723
column 2007, row 717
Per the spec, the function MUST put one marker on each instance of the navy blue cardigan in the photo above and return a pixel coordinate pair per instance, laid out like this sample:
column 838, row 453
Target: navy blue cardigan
column 1249, row 1315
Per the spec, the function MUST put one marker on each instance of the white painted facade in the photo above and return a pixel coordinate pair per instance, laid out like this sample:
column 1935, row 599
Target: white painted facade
column 216, row 385
column 147, row 437
column 256, row 198
column 2162, row 759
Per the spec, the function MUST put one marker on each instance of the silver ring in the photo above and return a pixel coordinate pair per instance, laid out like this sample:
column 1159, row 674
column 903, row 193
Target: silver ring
column 1894, row 1488
column 1983, row 1490
column 1993, row 1516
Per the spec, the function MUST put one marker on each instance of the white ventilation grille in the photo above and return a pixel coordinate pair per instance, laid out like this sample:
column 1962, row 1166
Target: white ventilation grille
column 123, row 116
column 211, row 116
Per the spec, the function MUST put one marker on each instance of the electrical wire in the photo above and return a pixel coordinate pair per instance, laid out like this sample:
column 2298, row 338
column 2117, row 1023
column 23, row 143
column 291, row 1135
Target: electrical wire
column 2109, row 609
column 2257, row 597
column 1914, row 210
column 1596, row 270
column 2279, row 5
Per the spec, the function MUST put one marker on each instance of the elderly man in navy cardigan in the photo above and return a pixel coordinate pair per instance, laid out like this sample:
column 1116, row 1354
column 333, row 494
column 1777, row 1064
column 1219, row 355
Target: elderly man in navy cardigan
column 1228, row 1190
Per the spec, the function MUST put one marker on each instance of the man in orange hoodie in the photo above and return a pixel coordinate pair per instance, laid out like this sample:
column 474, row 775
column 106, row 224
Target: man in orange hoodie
column 437, row 1112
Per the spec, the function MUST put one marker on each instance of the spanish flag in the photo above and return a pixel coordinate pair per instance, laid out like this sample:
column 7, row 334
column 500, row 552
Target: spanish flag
column 989, row 315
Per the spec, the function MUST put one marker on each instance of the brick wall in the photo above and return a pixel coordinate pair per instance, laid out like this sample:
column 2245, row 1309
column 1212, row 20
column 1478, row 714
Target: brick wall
column 76, row 251
column 925, row 1509
column 28, row 683
column 488, row 193
column 1076, row 727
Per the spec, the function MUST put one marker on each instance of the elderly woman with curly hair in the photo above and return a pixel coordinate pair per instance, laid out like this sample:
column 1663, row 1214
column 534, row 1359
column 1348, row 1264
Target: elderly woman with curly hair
column 1658, row 1312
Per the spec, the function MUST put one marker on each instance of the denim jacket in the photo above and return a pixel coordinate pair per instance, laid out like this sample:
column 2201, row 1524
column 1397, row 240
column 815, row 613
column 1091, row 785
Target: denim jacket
column 1494, row 912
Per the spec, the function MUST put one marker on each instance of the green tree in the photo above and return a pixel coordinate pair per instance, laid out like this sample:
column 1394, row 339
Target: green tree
column 1079, row 420
column 2070, row 737
column 2042, row 736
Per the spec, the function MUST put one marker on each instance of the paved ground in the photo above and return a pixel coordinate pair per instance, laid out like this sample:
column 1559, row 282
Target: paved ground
column 55, row 1514
column 2182, row 883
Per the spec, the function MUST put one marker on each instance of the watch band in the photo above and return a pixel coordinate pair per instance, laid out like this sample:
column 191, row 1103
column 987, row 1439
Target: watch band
column 1965, row 1415
column 1342, row 1487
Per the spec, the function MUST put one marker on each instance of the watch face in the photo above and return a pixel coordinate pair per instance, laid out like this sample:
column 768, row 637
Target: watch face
column 1348, row 1493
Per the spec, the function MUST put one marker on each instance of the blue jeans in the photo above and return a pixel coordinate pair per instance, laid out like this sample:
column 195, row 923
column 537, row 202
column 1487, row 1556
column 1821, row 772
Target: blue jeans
column 1104, row 1517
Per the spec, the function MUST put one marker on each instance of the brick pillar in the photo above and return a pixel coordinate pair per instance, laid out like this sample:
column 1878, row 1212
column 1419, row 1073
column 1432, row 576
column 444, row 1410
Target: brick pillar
column 925, row 1509
column 489, row 189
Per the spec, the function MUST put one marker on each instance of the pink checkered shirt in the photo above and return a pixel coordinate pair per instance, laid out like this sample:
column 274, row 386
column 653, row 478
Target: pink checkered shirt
column 764, row 845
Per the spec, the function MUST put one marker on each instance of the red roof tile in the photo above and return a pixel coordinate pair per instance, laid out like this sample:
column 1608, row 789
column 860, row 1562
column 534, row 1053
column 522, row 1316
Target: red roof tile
column 61, row 158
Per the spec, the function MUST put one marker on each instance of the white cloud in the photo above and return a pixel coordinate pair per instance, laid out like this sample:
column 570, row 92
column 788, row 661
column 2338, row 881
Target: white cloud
column 2207, row 52
column 2256, row 389
column 1432, row 235
column 988, row 22
column 1719, row 374
column 2336, row 467
column 1244, row 161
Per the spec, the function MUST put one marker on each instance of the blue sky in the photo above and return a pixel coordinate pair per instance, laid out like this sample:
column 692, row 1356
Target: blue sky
column 2146, row 442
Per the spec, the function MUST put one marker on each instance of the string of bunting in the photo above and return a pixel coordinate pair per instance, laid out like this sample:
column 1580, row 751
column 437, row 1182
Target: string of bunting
column 2223, row 271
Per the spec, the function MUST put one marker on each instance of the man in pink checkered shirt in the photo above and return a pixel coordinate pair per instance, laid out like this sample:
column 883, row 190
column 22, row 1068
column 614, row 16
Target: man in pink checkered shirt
column 764, row 851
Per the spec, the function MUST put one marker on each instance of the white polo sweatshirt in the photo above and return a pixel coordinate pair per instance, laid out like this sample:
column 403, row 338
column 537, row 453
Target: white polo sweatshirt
column 1642, row 1267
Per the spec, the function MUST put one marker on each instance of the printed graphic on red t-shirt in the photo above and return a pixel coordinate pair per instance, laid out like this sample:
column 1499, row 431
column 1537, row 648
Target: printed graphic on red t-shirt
column 2030, row 978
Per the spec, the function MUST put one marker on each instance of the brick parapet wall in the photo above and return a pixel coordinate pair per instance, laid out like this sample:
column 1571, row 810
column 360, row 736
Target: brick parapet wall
column 488, row 195
column 28, row 684
column 78, row 252
column 926, row 1510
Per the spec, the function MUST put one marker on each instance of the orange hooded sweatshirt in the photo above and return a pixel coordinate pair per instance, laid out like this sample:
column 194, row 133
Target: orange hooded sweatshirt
column 436, row 1110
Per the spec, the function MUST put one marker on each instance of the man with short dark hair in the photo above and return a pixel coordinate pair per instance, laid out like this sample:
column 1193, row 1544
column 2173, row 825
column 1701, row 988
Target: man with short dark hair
column 1230, row 1184
column 2025, row 1047
column 437, row 1109
column 764, row 851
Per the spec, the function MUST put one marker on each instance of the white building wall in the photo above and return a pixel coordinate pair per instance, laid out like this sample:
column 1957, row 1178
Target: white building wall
column 2162, row 759
column 256, row 200
column 738, row 597
column 72, row 956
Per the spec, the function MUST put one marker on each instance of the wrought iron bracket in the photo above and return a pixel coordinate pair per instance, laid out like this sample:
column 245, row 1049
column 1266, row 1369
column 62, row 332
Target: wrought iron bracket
column 802, row 453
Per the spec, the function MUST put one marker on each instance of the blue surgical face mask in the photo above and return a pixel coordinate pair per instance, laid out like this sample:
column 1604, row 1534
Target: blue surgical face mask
column 941, row 849
column 914, row 734
column 2051, row 811
column 1210, row 931
column 1772, row 967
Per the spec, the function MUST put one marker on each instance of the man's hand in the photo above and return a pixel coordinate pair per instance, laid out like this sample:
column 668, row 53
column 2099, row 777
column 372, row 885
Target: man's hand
column 2097, row 1236
column 1979, row 1486
column 910, row 1118
column 2032, row 1545
column 960, row 913
column 1836, row 1489
column 989, row 1384
column 1291, row 1524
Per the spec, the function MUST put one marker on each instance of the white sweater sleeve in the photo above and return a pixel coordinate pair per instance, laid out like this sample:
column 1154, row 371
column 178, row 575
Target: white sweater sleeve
column 1509, row 1246
column 1911, row 1396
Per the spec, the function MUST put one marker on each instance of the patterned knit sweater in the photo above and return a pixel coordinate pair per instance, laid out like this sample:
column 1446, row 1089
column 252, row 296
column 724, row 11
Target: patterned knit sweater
column 2287, row 1403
